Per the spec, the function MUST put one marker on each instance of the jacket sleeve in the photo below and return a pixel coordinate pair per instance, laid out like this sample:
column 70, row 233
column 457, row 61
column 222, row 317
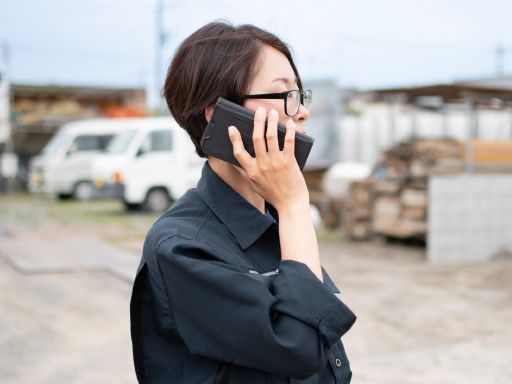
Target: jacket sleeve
column 282, row 324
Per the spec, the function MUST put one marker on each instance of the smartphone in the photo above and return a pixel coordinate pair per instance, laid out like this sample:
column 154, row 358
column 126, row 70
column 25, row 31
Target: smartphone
column 215, row 140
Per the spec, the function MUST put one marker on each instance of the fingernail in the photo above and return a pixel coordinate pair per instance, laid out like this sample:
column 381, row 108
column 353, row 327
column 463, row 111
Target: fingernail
column 231, row 130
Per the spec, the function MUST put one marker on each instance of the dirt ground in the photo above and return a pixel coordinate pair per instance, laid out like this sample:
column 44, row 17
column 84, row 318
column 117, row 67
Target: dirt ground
column 65, row 284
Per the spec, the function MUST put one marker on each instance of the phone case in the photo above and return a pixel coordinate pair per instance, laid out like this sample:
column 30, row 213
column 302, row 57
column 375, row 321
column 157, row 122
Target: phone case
column 215, row 140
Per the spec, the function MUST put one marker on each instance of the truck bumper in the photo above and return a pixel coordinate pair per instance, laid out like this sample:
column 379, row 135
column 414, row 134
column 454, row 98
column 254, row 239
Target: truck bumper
column 110, row 191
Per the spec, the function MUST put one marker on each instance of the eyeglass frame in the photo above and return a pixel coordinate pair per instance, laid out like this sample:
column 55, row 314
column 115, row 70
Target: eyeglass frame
column 282, row 95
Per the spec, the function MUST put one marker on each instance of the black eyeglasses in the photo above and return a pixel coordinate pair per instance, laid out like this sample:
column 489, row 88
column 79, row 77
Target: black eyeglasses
column 292, row 99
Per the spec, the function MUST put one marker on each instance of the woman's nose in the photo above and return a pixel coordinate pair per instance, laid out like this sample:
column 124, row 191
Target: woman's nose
column 302, row 115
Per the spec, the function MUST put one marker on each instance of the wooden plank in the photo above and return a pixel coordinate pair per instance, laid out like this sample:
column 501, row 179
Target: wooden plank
column 387, row 208
column 413, row 197
column 414, row 213
column 390, row 187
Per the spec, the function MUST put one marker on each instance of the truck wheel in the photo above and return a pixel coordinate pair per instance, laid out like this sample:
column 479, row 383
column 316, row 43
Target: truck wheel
column 157, row 200
column 84, row 190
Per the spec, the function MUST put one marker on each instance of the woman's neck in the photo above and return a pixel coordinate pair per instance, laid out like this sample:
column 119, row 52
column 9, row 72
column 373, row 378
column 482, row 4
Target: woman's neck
column 235, row 180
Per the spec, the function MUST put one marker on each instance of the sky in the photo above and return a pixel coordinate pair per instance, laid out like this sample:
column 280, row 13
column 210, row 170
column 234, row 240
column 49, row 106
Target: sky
column 358, row 43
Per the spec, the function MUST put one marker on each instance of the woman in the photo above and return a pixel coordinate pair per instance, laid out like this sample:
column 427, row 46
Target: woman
column 230, row 287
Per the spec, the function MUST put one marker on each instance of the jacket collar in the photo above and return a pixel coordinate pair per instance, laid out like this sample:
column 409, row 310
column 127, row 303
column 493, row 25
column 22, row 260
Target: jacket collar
column 242, row 219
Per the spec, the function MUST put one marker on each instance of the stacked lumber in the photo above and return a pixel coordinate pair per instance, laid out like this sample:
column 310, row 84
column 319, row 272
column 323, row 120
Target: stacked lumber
column 400, row 203
column 329, row 207
column 30, row 111
column 393, row 201
column 357, row 210
column 402, row 215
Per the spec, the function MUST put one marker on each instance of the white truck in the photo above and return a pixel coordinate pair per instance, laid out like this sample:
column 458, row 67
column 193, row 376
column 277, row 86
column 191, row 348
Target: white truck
column 149, row 165
column 64, row 166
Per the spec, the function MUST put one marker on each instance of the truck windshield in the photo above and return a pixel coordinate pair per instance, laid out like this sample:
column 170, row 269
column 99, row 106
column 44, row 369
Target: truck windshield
column 121, row 141
column 90, row 143
column 53, row 145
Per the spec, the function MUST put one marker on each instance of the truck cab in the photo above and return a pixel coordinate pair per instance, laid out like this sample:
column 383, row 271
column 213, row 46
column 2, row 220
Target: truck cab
column 64, row 166
column 148, row 165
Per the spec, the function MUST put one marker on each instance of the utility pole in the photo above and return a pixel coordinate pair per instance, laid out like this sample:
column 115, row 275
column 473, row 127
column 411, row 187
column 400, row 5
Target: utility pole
column 8, row 159
column 5, row 88
column 159, row 45
column 471, row 132
column 499, row 54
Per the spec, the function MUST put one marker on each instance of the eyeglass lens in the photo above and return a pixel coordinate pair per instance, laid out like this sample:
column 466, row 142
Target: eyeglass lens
column 308, row 98
column 293, row 101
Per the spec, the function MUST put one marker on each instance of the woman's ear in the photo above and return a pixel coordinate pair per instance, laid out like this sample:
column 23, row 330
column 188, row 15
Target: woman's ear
column 208, row 113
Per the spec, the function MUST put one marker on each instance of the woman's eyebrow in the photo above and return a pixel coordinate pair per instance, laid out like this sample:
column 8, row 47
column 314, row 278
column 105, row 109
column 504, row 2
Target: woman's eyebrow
column 285, row 80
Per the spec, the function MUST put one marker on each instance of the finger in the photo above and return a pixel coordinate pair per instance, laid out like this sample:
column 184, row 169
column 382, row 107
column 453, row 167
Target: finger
column 289, row 139
column 258, row 133
column 242, row 156
column 273, row 120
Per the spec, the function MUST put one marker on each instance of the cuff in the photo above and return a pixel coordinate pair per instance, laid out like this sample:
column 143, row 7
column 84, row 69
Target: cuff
column 302, row 295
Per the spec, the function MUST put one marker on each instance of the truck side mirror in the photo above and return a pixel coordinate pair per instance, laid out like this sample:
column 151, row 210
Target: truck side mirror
column 145, row 146
column 71, row 150
column 140, row 152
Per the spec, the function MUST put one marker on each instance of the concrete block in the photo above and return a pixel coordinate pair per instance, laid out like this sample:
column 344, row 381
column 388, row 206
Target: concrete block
column 469, row 217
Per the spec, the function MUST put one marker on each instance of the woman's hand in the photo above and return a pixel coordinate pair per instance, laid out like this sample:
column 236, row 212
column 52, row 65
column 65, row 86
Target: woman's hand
column 274, row 174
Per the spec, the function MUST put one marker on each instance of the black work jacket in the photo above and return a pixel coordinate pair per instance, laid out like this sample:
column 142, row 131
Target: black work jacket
column 213, row 302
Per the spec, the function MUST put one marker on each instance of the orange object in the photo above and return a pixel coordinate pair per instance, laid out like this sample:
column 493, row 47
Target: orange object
column 492, row 152
column 117, row 177
column 120, row 111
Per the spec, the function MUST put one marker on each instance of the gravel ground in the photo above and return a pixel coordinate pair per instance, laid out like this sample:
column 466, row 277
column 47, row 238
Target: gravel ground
column 65, row 314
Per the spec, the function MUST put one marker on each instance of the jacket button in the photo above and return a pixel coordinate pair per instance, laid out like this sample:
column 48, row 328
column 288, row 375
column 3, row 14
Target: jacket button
column 338, row 363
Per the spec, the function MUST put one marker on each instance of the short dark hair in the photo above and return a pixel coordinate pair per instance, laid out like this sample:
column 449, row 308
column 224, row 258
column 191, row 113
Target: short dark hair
column 218, row 60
